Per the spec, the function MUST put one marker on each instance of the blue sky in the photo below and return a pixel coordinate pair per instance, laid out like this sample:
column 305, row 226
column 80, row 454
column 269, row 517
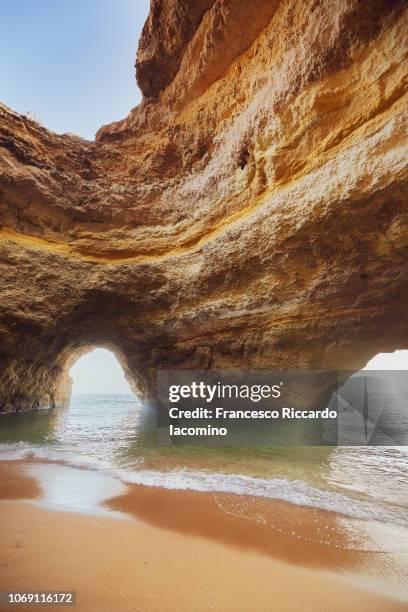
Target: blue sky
column 70, row 62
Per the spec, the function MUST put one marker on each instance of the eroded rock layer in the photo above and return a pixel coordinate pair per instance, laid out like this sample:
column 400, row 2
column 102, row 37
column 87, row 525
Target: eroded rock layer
column 250, row 213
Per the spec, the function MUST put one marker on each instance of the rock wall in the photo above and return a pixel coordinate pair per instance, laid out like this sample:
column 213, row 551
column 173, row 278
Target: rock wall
column 250, row 213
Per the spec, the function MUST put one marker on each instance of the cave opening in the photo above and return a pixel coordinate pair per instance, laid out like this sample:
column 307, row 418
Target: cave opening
column 105, row 35
column 99, row 371
column 398, row 360
column 372, row 403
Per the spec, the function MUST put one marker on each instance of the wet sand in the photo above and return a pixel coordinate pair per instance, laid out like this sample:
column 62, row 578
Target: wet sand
column 15, row 483
column 296, row 534
column 179, row 554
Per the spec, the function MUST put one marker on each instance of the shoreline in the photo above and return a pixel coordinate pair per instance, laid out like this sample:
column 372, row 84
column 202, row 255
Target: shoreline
column 242, row 562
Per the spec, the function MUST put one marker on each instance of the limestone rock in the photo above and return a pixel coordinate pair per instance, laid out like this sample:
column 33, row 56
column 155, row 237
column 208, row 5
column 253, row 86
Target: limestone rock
column 250, row 213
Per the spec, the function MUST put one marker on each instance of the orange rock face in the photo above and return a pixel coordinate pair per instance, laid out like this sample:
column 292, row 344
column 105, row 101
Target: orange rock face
column 251, row 212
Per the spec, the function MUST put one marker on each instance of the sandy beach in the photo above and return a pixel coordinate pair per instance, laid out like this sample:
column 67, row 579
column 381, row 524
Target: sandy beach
column 203, row 297
column 173, row 550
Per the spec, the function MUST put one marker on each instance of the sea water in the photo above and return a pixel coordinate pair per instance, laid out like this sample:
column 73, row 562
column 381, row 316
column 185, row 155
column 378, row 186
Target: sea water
column 114, row 435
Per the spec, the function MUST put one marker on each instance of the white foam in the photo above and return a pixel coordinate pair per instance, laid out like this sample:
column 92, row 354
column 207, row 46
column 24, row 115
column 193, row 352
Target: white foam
column 291, row 491
column 20, row 450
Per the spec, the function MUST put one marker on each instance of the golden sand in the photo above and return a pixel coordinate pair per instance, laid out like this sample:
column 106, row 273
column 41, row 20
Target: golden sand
column 178, row 556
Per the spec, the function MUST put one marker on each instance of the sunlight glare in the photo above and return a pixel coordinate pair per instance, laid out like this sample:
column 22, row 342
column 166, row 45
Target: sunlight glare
column 98, row 372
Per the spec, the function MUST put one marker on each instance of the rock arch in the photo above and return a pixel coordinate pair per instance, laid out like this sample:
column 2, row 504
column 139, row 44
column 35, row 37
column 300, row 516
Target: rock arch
column 161, row 239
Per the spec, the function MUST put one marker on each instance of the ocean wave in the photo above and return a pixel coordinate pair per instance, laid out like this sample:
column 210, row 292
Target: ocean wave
column 292, row 491
column 21, row 450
